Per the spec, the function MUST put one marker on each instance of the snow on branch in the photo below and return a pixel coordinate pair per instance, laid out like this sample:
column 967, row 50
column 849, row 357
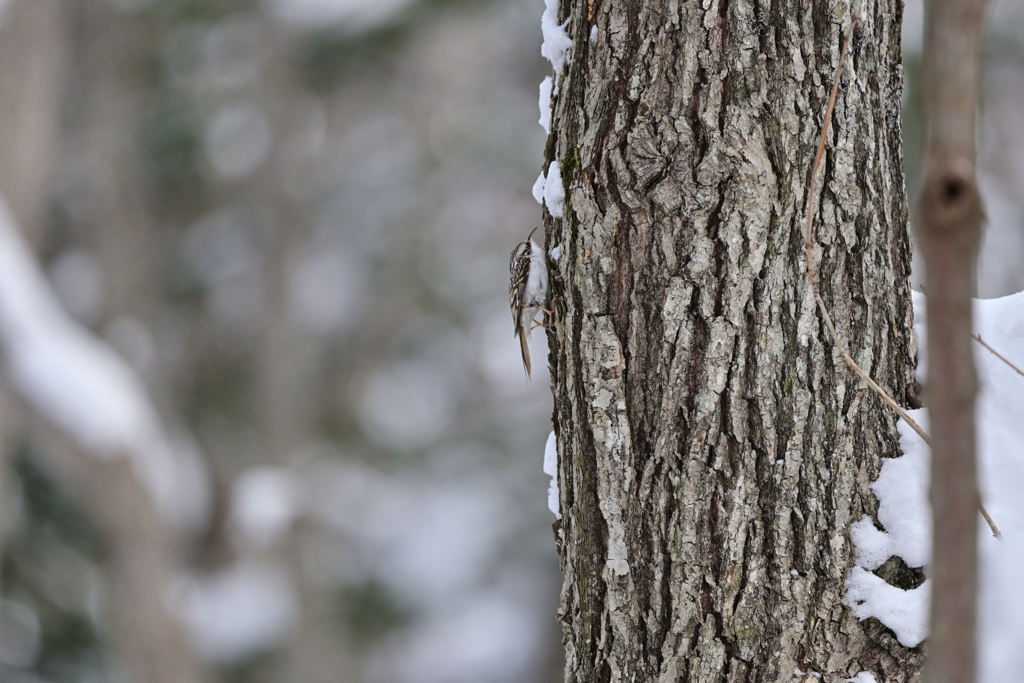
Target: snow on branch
column 79, row 384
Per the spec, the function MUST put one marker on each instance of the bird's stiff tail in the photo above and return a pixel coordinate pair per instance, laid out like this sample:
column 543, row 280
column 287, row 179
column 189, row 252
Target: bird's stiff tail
column 525, row 350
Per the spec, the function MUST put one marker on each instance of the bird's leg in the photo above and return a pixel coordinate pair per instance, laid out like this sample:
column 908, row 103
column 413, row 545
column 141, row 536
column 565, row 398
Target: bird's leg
column 537, row 324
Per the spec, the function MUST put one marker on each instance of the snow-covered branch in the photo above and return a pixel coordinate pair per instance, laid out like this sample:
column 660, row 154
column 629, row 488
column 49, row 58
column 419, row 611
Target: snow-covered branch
column 81, row 386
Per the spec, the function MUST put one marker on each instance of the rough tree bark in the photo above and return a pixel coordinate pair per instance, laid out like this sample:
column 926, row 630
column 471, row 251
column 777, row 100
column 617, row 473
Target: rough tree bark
column 713, row 447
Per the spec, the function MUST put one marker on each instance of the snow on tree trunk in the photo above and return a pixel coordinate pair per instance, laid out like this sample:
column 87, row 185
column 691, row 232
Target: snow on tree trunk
column 713, row 447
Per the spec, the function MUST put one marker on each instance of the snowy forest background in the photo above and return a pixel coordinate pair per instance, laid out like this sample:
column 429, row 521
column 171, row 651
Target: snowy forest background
column 292, row 218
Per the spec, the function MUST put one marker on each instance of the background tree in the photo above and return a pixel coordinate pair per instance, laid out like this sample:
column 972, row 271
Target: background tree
column 713, row 446
column 950, row 218
column 292, row 225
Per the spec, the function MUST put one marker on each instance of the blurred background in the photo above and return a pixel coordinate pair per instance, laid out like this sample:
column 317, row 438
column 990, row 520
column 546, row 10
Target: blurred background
column 292, row 219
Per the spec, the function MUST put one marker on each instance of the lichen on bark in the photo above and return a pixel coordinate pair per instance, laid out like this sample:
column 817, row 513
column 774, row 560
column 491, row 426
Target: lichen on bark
column 713, row 447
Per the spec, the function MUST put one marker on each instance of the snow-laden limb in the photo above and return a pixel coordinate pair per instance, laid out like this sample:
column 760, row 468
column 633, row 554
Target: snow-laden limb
column 905, row 516
column 551, row 469
column 80, row 385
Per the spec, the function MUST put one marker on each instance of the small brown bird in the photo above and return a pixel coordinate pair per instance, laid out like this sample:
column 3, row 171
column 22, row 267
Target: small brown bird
column 527, row 290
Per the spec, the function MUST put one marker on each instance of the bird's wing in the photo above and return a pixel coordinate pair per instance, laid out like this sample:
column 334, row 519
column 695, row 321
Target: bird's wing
column 517, row 290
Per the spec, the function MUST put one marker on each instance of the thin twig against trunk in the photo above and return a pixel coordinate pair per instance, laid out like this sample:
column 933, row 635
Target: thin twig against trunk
column 812, row 276
column 948, row 221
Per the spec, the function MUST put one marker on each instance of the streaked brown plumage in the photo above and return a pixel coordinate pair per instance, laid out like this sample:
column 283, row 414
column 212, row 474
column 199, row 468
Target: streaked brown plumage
column 527, row 290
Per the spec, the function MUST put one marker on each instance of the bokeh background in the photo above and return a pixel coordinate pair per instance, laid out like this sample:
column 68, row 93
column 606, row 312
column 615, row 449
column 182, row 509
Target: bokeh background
column 292, row 219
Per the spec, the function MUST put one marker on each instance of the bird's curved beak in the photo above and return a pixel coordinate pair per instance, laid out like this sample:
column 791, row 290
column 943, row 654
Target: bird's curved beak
column 530, row 237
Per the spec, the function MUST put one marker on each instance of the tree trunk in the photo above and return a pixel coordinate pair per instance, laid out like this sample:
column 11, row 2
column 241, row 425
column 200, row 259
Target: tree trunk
column 713, row 446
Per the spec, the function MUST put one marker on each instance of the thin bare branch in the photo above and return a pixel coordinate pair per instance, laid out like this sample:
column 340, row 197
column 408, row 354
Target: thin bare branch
column 948, row 223
column 977, row 338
